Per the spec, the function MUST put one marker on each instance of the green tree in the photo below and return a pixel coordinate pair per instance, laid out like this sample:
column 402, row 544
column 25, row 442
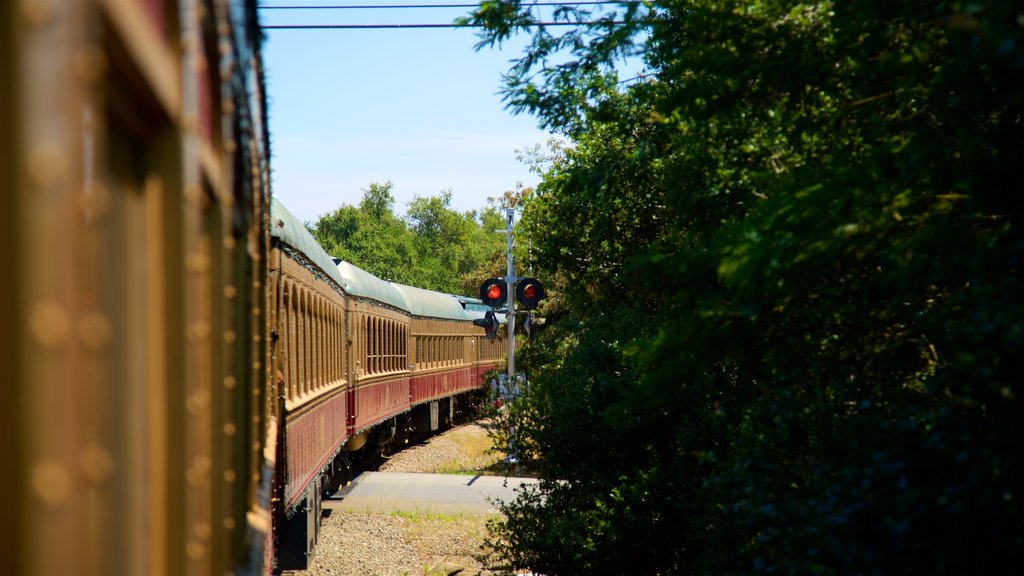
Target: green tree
column 789, row 261
column 370, row 236
column 450, row 242
column 433, row 246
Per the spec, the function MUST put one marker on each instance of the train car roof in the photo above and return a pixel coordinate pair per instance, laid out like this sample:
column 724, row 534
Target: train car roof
column 358, row 282
column 362, row 284
column 289, row 230
column 430, row 304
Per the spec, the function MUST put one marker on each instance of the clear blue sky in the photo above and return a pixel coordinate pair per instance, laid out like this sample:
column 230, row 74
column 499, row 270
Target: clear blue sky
column 417, row 107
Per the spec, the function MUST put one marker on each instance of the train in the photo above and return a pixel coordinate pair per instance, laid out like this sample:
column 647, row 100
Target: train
column 359, row 363
column 191, row 371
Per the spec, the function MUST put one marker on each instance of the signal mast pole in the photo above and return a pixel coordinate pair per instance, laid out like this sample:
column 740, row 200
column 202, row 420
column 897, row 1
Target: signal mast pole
column 510, row 284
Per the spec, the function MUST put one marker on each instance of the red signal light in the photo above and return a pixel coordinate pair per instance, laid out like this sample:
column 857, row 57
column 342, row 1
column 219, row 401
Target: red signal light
column 494, row 292
column 529, row 292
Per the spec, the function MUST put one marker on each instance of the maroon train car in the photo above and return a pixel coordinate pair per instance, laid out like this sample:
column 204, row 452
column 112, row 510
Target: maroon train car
column 359, row 363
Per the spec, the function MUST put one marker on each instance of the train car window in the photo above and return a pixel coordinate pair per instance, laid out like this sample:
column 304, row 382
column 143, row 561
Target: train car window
column 342, row 346
column 390, row 354
column 297, row 340
column 328, row 346
column 314, row 348
column 384, row 344
column 378, row 344
column 292, row 326
column 300, row 343
column 310, row 344
column 307, row 303
column 317, row 342
column 369, row 345
column 318, row 319
column 335, row 339
column 344, row 343
column 397, row 349
column 308, row 383
column 286, row 337
column 291, row 355
column 382, row 354
column 318, row 325
column 305, row 343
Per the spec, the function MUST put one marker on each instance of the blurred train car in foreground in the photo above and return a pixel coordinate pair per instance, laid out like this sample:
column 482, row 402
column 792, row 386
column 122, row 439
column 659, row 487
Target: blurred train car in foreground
column 190, row 370
column 134, row 185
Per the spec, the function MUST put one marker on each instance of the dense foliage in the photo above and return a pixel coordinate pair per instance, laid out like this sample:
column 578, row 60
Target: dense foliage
column 433, row 246
column 789, row 268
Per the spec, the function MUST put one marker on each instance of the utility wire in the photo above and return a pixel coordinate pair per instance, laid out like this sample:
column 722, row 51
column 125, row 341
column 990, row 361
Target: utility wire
column 434, row 6
column 386, row 6
column 452, row 25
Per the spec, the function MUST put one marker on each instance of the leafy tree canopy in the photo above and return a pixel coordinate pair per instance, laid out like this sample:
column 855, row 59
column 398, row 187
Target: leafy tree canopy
column 789, row 266
column 433, row 246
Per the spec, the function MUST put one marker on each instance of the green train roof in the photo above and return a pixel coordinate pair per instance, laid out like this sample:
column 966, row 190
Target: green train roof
column 430, row 304
column 290, row 231
column 362, row 284
column 355, row 281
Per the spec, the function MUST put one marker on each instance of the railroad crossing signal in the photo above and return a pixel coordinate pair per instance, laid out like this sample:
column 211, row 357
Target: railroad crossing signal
column 529, row 327
column 489, row 323
column 493, row 292
column 529, row 292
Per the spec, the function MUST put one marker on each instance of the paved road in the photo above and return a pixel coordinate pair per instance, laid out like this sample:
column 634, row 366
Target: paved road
column 429, row 493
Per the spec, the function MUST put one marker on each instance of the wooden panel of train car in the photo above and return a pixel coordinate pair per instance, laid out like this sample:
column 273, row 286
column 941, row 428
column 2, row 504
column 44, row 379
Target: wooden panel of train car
column 380, row 348
column 487, row 354
column 444, row 342
column 141, row 371
column 382, row 376
column 310, row 356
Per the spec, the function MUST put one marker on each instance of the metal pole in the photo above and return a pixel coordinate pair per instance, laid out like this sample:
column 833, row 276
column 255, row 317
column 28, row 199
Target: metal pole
column 510, row 317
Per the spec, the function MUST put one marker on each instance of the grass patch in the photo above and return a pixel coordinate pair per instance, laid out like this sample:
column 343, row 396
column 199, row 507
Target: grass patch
column 474, row 453
column 443, row 539
column 422, row 518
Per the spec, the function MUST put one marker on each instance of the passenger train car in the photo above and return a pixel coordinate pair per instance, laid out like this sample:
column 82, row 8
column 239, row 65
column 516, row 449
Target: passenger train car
column 189, row 369
column 359, row 363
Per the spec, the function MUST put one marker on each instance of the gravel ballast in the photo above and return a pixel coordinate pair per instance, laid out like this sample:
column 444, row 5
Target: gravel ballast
column 412, row 544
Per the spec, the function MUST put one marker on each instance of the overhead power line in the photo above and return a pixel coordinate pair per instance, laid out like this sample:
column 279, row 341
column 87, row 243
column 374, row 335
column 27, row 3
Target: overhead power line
column 426, row 25
column 451, row 25
column 388, row 6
